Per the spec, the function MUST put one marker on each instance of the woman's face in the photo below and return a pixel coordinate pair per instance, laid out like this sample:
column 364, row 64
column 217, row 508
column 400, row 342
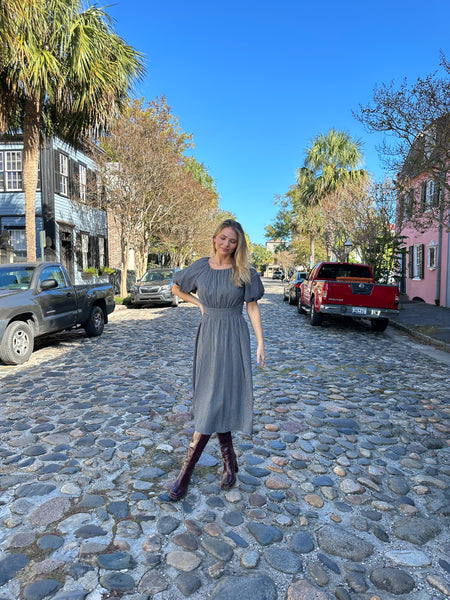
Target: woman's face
column 226, row 242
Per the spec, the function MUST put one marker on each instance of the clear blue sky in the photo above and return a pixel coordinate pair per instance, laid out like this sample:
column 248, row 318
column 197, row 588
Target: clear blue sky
column 255, row 81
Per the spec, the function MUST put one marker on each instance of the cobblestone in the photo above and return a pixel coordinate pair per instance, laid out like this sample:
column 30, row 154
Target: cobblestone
column 343, row 490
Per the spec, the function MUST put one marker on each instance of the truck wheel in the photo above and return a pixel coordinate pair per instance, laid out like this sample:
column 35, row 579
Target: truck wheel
column 300, row 309
column 17, row 344
column 315, row 318
column 379, row 324
column 175, row 301
column 96, row 322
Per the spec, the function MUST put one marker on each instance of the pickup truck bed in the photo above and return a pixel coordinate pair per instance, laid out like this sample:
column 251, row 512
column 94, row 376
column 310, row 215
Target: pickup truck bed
column 37, row 299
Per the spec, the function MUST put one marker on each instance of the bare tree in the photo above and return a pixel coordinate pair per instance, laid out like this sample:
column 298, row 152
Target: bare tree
column 139, row 170
column 416, row 120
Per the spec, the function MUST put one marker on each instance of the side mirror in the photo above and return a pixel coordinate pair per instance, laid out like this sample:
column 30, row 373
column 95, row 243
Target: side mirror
column 49, row 284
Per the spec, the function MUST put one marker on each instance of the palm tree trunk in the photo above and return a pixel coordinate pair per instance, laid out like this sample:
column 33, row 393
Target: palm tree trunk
column 31, row 127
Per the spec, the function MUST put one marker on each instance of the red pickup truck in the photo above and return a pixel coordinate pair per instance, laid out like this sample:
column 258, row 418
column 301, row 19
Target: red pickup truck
column 347, row 289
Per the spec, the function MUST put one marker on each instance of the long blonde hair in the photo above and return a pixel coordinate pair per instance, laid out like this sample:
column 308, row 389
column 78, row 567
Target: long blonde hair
column 241, row 267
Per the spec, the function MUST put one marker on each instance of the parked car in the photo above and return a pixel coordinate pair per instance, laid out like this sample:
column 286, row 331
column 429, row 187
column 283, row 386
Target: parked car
column 291, row 287
column 154, row 287
column 278, row 274
column 37, row 299
column 349, row 290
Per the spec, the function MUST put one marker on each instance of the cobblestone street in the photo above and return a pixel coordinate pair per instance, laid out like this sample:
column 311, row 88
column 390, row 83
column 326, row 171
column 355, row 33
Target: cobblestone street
column 343, row 490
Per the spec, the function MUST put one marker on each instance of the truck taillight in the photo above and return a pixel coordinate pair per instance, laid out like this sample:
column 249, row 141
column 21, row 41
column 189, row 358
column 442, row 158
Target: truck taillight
column 325, row 292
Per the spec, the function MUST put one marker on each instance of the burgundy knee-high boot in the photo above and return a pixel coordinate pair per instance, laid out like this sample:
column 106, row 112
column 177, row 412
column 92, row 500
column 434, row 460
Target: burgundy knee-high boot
column 196, row 447
column 230, row 466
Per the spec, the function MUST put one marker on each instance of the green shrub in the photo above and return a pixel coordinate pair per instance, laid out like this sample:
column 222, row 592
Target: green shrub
column 125, row 301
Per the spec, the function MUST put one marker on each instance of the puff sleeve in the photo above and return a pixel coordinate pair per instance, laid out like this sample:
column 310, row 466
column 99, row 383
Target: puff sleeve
column 187, row 278
column 255, row 289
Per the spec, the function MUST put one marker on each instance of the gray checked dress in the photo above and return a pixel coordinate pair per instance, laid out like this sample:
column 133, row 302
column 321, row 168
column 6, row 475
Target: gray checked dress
column 222, row 376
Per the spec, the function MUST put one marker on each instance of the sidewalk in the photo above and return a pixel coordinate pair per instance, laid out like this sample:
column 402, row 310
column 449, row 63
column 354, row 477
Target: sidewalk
column 425, row 322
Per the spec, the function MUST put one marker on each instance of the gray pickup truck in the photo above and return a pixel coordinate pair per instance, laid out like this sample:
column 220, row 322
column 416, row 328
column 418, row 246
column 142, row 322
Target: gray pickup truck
column 39, row 299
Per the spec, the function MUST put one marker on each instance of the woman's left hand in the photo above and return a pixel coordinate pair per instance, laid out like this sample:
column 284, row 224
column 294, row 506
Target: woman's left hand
column 260, row 356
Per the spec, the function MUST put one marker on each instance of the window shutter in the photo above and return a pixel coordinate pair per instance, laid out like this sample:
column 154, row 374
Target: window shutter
column 436, row 194
column 79, row 252
column 91, row 252
column 95, row 253
column 423, row 196
column 73, row 171
column 91, row 186
column 422, row 260
column 411, row 261
column 57, row 177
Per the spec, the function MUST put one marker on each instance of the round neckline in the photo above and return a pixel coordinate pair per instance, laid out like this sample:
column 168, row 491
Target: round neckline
column 215, row 269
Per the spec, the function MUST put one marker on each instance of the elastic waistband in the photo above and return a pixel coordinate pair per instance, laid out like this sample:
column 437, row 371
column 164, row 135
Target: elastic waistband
column 222, row 312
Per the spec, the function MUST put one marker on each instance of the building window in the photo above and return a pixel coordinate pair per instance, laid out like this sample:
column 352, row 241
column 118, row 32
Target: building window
column 11, row 171
column 432, row 255
column 416, row 261
column 15, row 226
column 82, row 178
column 429, row 195
column 62, row 175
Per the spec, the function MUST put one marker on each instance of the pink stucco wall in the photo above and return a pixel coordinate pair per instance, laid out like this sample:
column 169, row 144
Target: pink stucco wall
column 426, row 288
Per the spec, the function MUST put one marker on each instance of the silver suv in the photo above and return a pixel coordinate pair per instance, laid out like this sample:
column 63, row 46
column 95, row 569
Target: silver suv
column 155, row 287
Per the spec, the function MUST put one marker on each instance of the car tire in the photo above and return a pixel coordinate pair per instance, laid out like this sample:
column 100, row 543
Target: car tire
column 315, row 318
column 300, row 309
column 379, row 324
column 175, row 301
column 291, row 300
column 96, row 322
column 17, row 344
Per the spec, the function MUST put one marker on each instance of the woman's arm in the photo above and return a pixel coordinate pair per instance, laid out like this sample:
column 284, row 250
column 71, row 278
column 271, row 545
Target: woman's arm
column 186, row 297
column 254, row 315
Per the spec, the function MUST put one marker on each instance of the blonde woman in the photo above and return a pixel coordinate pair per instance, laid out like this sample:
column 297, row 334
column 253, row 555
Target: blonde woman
column 222, row 377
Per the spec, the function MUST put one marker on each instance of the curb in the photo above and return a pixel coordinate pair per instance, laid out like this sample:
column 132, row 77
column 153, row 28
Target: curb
column 421, row 337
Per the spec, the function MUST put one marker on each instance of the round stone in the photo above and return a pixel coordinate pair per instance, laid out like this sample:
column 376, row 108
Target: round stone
column 188, row 583
column 394, row 581
column 183, row 561
column 282, row 560
column 250, row 559
column 314, row 500
column 256, row 587
column 302, row 543
column 341, row 542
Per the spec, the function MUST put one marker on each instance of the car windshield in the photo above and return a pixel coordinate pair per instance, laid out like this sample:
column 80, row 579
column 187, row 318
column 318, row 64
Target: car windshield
column 15, row 278
column 157, row 275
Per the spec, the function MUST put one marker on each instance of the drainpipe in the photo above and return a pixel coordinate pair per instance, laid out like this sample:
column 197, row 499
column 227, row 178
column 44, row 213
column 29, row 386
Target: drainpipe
column 437, row 300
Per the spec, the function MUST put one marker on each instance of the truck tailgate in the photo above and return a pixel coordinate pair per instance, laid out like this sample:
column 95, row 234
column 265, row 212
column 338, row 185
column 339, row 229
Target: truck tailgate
column 357, row 293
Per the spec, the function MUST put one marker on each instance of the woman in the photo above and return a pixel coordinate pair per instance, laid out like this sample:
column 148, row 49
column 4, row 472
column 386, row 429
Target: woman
column 222, row 378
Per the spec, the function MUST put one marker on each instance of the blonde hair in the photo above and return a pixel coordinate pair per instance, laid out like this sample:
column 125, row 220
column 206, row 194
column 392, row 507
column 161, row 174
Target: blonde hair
column 241, row 267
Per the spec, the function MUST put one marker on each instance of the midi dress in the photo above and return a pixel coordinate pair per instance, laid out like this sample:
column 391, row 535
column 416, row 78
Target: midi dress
column 222, row 376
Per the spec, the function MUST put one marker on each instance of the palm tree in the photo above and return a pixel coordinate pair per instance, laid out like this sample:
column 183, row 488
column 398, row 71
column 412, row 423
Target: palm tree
column 63, row 71
column 332, row 160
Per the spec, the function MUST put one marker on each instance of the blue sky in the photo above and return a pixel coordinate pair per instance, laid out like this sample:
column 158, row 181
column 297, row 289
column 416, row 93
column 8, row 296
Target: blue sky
column 256, row 81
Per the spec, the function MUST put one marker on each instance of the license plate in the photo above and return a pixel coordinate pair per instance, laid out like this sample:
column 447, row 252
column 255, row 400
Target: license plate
column 359, row 310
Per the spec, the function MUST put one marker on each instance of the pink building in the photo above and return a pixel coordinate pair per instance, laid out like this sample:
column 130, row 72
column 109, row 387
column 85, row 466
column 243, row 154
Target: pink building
column 425, row 264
